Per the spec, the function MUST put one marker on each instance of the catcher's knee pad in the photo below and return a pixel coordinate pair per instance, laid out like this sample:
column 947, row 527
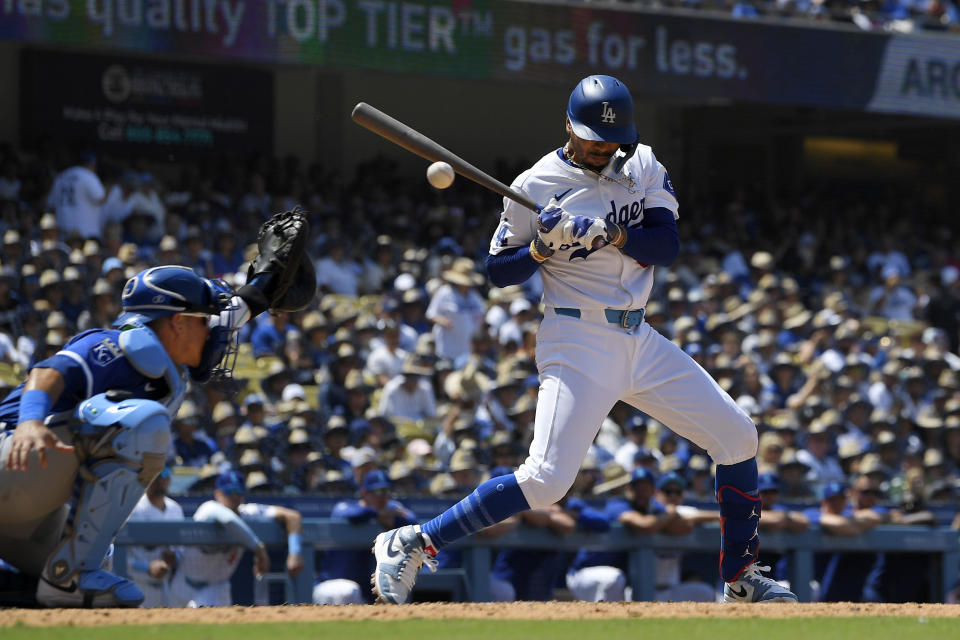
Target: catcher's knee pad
column 122, row 447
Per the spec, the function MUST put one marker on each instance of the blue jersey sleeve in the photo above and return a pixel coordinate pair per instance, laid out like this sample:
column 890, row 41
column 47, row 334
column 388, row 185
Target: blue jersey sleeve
column 615, row 508
column 93, row 362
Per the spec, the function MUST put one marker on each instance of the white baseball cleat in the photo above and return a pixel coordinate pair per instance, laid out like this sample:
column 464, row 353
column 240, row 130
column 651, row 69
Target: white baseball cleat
column 97, row 589
column 752, row 586
column 400, row 554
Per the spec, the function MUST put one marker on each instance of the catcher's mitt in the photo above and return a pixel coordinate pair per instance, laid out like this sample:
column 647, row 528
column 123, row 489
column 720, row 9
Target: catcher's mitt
column 283, row 270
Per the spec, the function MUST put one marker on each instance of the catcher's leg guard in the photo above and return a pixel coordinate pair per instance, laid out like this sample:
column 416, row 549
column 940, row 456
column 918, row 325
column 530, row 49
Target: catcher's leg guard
column 122, row 446
column 739, row 517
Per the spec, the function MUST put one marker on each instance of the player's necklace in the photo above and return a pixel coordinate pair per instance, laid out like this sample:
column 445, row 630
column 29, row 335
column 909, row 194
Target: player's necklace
column 626, row 181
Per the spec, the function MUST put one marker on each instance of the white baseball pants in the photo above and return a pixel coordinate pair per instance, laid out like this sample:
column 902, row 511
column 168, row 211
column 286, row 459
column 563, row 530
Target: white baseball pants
column 586, row 365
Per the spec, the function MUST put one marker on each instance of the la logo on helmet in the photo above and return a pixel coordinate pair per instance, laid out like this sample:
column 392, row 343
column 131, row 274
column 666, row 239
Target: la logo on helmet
column 608, row 116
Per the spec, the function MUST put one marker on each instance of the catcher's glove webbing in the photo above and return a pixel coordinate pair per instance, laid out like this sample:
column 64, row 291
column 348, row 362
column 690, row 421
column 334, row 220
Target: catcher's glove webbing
column 282, row 272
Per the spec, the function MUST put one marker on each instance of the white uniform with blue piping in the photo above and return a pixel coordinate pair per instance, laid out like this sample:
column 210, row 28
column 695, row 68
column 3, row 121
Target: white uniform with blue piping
column 593, row 347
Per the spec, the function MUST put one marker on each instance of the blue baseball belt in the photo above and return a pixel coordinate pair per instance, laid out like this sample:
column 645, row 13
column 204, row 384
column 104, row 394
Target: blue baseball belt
column 623, row 317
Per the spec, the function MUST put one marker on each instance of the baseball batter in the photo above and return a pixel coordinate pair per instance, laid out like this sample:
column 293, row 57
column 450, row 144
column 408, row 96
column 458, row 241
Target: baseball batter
column 610, row 219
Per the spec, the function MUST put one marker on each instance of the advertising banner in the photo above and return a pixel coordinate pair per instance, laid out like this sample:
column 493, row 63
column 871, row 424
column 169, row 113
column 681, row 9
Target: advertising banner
column 658, row 54
column 143, row 105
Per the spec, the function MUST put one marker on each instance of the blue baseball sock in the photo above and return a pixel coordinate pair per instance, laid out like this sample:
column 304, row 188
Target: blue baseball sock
column 739, row 517
column 495, row 500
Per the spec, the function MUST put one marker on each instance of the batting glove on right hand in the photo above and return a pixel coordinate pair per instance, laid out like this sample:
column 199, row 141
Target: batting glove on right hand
column 556, row 227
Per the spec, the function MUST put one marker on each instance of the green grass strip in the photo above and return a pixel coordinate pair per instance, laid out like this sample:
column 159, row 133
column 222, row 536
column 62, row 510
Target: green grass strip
column 879, row 628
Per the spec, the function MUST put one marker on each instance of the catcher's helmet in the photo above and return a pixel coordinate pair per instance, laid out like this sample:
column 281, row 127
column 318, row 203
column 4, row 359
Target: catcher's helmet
column 601, row 109
column 163, row 291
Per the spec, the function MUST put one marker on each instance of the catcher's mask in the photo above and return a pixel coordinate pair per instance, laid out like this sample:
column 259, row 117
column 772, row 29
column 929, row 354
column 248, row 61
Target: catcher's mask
column 222, row 346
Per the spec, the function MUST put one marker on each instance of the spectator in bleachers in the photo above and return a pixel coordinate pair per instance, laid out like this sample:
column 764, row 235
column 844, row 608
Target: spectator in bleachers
column 386, row 360
column 822, row 466
column 410, row 394
column 456, row 309
column 270, row 334
column 191, row 444
column 337, row 272
column 892, row 299
column 77, row 196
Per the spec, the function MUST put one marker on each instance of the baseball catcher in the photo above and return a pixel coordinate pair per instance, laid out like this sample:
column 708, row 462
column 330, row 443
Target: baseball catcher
column 93, row 420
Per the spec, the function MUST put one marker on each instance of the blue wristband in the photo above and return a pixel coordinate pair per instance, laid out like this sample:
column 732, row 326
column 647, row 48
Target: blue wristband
column 294, row 544
column 140, row 565
column 34, row 405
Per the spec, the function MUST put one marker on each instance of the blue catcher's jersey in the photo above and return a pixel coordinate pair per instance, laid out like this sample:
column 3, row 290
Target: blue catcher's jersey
column 93, row 362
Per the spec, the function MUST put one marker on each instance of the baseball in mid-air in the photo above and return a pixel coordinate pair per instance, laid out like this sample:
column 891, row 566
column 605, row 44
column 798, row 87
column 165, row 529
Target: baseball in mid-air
column 440, row 175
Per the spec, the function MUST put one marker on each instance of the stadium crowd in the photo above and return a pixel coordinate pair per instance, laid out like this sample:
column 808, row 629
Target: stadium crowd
column 412, row 376
column 899, row 16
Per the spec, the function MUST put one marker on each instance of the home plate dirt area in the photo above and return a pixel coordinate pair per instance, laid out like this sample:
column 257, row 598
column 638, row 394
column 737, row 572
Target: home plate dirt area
column 446, row 610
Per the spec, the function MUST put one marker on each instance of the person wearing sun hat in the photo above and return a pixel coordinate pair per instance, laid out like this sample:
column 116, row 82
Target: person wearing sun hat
column 203, row 579
column 456, row 309
column 410, row 394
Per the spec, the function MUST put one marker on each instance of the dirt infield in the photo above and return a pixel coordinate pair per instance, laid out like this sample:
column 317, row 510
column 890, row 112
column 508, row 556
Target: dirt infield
column 513, row 611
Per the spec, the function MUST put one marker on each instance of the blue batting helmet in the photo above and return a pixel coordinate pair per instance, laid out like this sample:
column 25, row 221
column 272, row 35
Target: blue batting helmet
column 163, row 291
column 601, row 109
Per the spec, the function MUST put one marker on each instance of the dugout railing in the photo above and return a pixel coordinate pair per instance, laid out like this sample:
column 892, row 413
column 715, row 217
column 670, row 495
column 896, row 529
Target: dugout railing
column 473, row 579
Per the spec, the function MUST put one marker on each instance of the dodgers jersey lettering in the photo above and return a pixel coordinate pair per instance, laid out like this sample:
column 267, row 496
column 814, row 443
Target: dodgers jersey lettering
column 577, row 276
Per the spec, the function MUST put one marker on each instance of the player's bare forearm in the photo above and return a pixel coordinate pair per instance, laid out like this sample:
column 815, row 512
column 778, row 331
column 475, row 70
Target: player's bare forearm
column 42, row 388
column 773, row 520
column 641, row 523
column 50, row 381
column 840, row 525
column 291, row 519
column 677, row 525
column 702, row 516
column 795, row 522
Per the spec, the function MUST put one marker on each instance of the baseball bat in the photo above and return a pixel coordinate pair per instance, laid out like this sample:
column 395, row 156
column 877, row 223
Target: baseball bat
column 415, row 142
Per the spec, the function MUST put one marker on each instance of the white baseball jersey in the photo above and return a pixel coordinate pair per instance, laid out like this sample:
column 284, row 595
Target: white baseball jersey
column 76, row 197
column 577, row 276
column 465, row 311
column 155, row 591
column 586, row 362
column 208, row 564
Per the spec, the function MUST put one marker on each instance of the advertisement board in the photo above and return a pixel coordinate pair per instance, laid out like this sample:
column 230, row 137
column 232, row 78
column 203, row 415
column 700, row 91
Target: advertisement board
column 659, row 54
column 144, row 105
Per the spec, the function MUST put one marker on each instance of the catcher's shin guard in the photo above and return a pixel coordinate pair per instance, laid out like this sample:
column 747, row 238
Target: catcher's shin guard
column 122, row 447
